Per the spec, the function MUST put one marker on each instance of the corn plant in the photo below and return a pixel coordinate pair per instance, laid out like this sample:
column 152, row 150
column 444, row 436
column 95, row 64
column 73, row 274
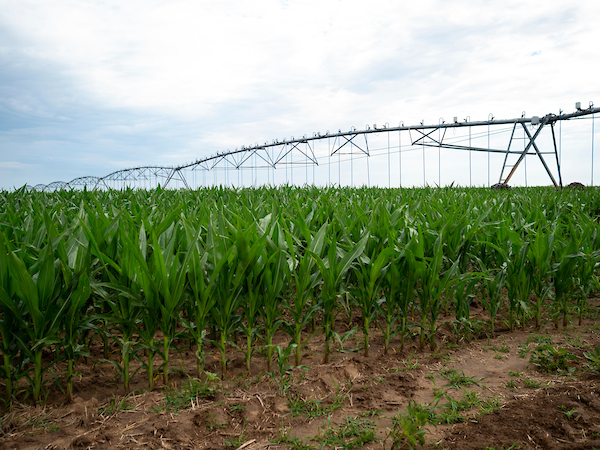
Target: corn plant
column 518, row 279
column 333, row 271
column 230, row 283
column 494, row 281
column 587, row 266
column 588, row 262
column 388, row 306
column 306, row 277
column 434, row 282
column 39, row 288
column 119, row 293
column 75, row 321
column 103, row 234
column 461, row 233
column 540, row 254
column 74, row 258
column 565, row 270
column 203, row 275
column 392, row 231
column 169, row 278
column 251, row 309
column 400, row 282
column 12, row 325
column 463, row 296
column 150, row 310
column 370, row 278
column 273, row 280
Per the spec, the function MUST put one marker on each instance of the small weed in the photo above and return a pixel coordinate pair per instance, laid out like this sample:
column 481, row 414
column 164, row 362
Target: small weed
column 189, row 393
column 490, row 404
column 569, row 414
column 576, row 342
column 212, row 423
column 283, row 376
column 449, row 416
column 293, row 443
column 438, row 391
column 371, row 414
column 502, row 349
column 114, row 406
column 529, row 383
column 539, row 339
column 468, row 401
column 316, row 408
column 515, row 374
column 438, row 355
column 235, row 442
column 593, row 358
column 523, row 350
column 457, row 380
column 590, row 313
column 428, row 409
column 512, row 384
column 41, row 423
column 311, row 408
column 552, row 359
column 352, row 433
column 409, row 364
column 452, row 410
column 408, row 429
column 499, row 356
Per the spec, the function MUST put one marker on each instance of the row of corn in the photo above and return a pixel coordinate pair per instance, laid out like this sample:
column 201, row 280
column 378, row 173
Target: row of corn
column 150, row 270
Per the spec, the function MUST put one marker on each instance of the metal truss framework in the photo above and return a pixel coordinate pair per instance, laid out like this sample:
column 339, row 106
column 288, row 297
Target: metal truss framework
column 281, row 153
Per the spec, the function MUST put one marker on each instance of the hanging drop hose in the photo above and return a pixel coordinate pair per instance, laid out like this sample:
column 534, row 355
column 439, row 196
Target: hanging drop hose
column 593, row 115
column 400, row 153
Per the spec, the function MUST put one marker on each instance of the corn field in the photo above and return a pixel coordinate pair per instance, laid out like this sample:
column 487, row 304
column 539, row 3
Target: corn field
column 153, row 270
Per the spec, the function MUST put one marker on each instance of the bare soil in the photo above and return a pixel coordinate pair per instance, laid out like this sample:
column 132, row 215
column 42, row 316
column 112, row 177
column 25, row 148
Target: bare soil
column 298, row 409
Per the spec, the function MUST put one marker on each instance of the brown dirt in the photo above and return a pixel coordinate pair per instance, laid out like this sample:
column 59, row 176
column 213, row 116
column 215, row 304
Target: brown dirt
column 252, row 410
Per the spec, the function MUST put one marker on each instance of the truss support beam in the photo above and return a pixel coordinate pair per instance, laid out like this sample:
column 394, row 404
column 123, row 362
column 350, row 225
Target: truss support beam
column 351, row 142
column 556, row 155
column 525, row 151
column 180, row 176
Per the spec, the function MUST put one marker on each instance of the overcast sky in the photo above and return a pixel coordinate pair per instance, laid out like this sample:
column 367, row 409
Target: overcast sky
column 89, row 87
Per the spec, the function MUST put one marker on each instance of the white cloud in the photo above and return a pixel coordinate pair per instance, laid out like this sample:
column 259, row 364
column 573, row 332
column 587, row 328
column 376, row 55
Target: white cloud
column 13, row 165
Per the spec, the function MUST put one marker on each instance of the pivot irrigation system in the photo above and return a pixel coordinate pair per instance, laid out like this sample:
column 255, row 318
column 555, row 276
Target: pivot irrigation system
column 294, row 152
